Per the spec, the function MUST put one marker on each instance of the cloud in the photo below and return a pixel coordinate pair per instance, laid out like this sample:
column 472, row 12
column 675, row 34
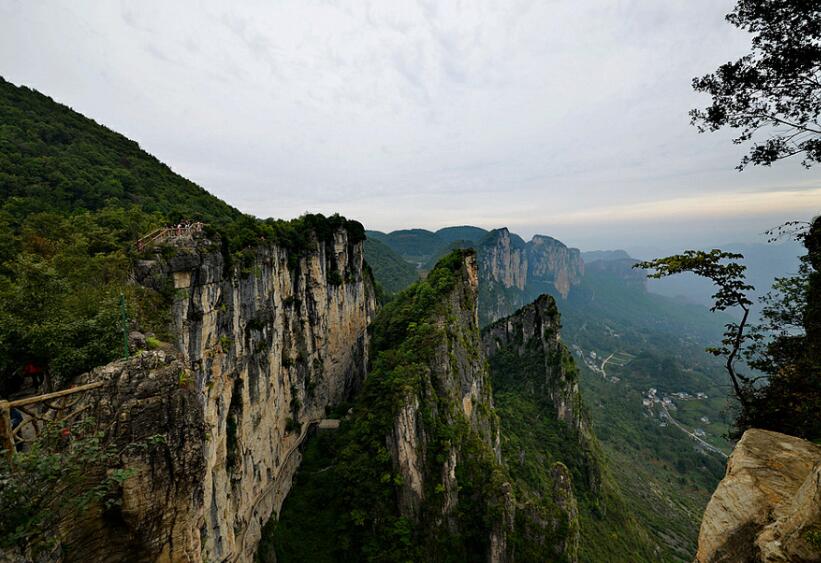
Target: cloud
column 714, row 206
column 420, row 113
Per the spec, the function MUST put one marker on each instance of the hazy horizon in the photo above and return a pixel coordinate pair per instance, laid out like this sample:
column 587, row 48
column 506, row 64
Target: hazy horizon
column 546, row 118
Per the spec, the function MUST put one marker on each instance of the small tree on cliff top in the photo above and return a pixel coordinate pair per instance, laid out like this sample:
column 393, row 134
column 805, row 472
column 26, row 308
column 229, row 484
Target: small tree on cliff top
column 729, row 277
column 784, row 391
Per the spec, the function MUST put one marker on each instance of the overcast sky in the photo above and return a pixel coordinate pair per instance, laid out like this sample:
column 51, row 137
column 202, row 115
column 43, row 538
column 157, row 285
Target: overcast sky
column 561, row 117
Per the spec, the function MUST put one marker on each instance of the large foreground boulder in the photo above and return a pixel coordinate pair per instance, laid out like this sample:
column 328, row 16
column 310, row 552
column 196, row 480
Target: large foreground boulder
column 768, row 506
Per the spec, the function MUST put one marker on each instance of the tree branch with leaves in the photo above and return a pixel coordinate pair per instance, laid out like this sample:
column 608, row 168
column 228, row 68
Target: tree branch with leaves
column 774, row 90
column 729, row 278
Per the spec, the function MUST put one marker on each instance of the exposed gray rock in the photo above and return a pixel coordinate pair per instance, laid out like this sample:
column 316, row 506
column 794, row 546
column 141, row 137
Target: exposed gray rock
column 271, row 347
column 513, row 272
column 262, row 349
column 143, row 402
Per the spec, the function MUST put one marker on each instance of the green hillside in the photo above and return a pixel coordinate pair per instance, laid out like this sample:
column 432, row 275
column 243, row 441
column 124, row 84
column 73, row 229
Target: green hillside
column 414, row 245
column 53, row 159
column 447, row 249
column 74, row 198
column 464, row 233
column 389, row 269
column 424, row 248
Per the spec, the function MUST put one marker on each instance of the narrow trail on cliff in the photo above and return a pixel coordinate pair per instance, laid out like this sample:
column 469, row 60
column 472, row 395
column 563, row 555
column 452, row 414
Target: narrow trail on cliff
column 271, row 486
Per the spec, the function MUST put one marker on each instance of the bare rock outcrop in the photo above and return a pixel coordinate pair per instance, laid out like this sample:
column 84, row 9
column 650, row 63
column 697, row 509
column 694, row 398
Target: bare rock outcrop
column 145, row 400
column 514, row 272
column 262, row 344
column 768, row 506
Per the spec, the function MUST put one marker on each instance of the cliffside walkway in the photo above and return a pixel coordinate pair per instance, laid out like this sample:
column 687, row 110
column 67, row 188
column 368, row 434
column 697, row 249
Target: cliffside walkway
column 187, row 230
column 322, row 423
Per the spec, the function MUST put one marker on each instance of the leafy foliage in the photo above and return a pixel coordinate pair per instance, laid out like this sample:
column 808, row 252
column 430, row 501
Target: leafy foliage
column 61, row 288
column 783, row 347
column 731, row 291
column 774, row 88
column 65, row 472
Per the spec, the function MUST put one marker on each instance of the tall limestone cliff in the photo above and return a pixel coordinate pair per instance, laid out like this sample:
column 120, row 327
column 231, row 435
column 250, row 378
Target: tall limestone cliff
column 417, row 471
column 548, row 444
column 513, row 272
column 262, row 349
column 271, row 350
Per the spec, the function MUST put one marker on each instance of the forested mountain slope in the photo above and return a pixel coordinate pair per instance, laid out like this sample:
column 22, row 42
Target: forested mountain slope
column 74, row 199
column 394, row 273
column 430, row 465
column 626, row 342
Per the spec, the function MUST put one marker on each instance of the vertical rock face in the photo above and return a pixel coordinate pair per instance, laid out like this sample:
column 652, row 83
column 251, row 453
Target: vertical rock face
column 768, row 506
column 504, row 259
column 270, row 351
column 513, row 272
column 154, row 418
column 532, row 335
column 262, row 351
column 550, row 261
column 455, row 390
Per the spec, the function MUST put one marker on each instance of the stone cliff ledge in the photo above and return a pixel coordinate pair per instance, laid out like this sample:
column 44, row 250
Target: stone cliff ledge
column 768, row 506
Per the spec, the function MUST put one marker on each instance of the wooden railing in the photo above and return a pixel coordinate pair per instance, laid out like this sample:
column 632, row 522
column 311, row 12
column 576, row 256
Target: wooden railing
column 165, row 233
column 38, row 411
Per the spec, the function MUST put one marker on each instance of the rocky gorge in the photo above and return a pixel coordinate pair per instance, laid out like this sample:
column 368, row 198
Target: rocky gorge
column 258, row 357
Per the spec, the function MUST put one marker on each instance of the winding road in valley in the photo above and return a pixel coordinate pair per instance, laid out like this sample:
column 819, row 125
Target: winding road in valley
column 604, row 363
column 707, row 445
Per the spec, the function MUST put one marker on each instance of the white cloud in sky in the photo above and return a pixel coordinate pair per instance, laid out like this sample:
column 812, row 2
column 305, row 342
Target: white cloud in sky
column 563, row 117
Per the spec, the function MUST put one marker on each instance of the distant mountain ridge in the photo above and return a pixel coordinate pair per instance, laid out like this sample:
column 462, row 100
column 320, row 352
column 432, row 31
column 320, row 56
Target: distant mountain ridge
column 605, row 255
column 513, row 272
